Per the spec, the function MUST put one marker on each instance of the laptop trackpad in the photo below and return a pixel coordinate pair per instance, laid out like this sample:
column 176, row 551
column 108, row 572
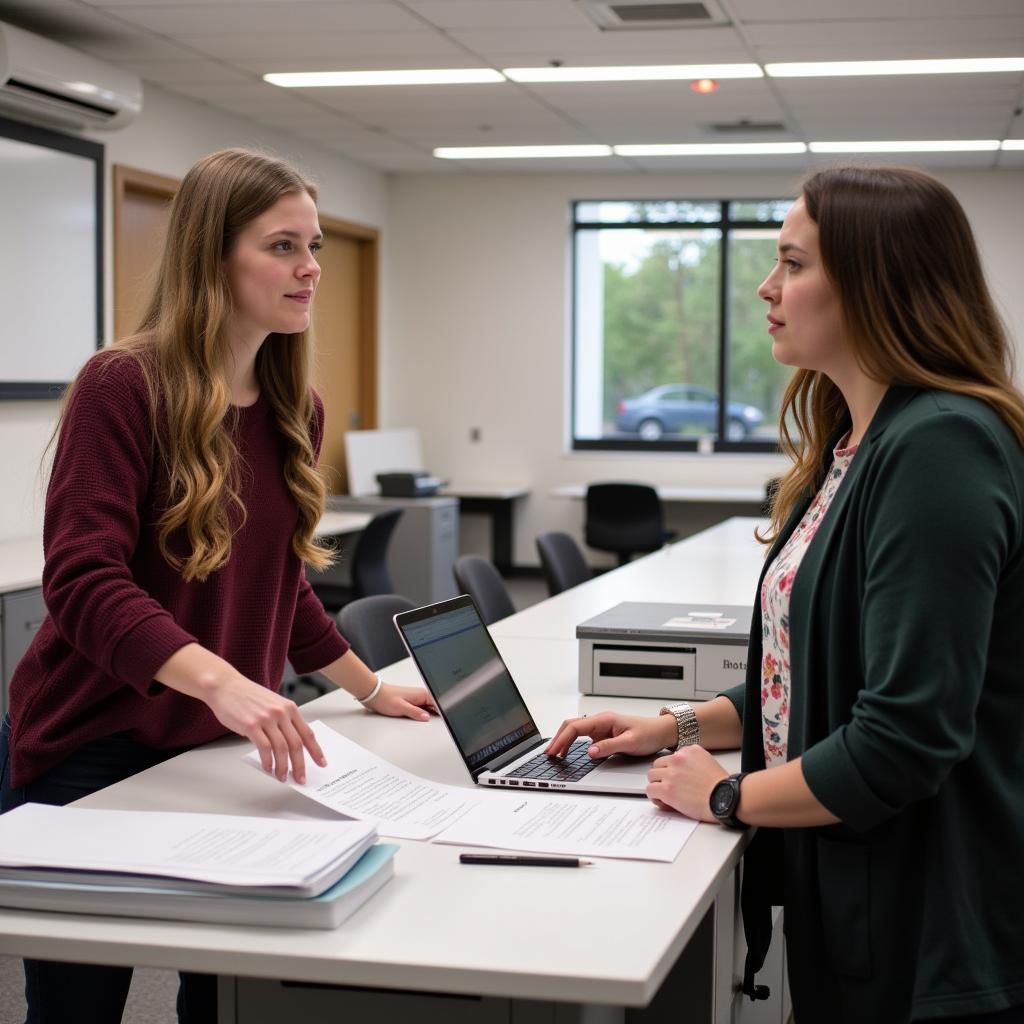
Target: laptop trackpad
column 624, row 766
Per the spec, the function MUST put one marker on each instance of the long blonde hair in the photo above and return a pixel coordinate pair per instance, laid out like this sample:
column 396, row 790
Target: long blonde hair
column 916, row 310
column 181, row 349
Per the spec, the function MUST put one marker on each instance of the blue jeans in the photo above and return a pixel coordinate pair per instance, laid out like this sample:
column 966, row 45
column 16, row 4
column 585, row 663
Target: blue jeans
column 86, row 993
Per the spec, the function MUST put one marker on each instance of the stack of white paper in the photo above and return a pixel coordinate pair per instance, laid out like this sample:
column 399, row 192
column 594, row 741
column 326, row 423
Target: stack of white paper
column 206, row 867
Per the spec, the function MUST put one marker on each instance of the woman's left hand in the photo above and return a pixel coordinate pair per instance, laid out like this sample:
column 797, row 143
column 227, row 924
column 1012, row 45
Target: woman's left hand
column 403, row 702
column 683, row 781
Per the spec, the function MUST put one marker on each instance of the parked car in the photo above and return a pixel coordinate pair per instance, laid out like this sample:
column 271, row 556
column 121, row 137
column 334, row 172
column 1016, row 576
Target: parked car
column 670, row 408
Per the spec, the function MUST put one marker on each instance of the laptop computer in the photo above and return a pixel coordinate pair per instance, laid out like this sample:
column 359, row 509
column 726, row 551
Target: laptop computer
column 486, row 715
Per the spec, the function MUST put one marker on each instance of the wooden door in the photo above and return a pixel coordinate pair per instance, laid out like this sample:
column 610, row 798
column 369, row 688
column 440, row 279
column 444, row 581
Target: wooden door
column 345, row 332
column 141, row 207
column 344, row 313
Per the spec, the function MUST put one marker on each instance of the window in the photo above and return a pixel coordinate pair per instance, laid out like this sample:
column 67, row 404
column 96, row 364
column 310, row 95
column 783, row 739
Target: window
column 667, row 319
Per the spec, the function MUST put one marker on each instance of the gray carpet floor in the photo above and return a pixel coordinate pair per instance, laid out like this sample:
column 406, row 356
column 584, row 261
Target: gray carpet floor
column 150, row 1001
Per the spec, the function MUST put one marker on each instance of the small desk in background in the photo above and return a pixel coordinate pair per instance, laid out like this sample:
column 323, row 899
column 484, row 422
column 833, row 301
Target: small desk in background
column 690, row 510
column 710, row 495
column 496, row 500
column 337, row 524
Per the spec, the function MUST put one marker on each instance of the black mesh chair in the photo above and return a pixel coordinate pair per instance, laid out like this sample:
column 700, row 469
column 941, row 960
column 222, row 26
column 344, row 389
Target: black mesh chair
column 369, row 564
column 366, row 624
column 477, row 577
column 562, row 561
column 771, row 488
column 625, row 519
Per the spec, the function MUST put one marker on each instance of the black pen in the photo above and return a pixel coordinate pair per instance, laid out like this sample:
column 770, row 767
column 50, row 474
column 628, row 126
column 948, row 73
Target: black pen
column 523, row 862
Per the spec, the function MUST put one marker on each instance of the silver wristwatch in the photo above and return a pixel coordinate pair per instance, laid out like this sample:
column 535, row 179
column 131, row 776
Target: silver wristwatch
column 687, row 729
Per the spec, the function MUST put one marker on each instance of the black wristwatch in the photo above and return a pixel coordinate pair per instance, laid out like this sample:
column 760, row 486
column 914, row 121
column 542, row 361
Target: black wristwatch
column 725, row 798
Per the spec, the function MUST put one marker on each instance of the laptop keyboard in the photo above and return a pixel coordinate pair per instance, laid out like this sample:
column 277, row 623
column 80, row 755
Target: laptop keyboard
column 570, row 768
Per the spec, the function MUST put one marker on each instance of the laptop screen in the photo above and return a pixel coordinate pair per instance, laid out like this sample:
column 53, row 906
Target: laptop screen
column 465, row 674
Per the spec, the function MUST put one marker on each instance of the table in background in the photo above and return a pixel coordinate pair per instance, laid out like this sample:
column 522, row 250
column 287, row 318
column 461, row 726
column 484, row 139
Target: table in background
column 711, row 495
column 497, row 501
column 338, row 524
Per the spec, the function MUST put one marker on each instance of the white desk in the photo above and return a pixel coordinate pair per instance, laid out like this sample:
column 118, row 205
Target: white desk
column 21, row 563
column 336, row 524
column 720, row 564
column 434, row 927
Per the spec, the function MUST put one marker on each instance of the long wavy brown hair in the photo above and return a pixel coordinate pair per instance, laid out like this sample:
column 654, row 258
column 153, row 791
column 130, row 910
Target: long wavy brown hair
column 915, row 308
column 181, row 347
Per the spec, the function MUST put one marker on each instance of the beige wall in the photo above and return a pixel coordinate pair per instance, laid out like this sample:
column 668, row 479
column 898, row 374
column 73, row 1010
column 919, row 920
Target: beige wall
column 480, row 324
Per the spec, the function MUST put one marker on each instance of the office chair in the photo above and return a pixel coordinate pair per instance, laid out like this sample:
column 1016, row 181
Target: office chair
column 369, row 565
column 771, row 487
column 366, row 624
column 477, row 577
column 562, row 561
column 624, row 519
column 369, row 576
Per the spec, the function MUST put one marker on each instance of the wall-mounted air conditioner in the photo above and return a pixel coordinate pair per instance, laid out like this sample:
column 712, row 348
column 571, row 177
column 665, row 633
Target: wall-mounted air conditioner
column 44, row 82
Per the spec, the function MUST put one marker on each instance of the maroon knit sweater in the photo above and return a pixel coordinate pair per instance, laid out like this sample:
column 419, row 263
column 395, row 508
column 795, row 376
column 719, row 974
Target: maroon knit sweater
column 118, row 611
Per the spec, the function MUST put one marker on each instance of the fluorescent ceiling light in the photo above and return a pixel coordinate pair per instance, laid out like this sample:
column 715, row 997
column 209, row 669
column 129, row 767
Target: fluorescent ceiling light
column 1013, row 143
column 710, row 149
column 643, row 73
column 518, row 152
column 844, row 68
column 916, row 146
column 421, row 76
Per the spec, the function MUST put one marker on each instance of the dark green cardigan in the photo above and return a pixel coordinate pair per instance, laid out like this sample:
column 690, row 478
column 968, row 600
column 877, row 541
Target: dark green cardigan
column 907, row 707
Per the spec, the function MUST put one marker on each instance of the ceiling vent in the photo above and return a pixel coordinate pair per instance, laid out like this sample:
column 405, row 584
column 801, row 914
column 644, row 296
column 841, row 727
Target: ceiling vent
column 620, row 15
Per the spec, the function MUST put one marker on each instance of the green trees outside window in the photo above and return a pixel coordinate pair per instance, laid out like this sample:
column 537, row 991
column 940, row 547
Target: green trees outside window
column 667, row 320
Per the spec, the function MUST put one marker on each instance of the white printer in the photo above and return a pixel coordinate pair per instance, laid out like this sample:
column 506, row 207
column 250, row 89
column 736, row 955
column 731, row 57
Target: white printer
column 668, row 651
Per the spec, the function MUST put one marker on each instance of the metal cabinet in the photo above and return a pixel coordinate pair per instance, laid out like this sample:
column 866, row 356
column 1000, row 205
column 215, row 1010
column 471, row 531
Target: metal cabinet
column 423, row 547
column 21, row 614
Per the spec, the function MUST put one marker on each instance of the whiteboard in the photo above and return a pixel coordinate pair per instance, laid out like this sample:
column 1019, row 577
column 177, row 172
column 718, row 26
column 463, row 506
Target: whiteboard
column 369, row 452
column 49, row 277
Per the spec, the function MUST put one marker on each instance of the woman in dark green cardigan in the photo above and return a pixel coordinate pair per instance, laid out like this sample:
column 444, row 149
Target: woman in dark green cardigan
column 882, row 720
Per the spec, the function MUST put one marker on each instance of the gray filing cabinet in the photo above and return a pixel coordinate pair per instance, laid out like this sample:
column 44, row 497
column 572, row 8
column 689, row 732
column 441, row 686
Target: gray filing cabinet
column 423, row 547
column 21, row 614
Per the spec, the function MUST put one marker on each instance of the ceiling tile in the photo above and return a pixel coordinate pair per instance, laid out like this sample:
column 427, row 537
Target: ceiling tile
column 287, row 50
column 541, row 132
column 514, row 14
column 476, row 105
column 588, row 46
column 951, row 37
column 197, row 72
column 750, row 11
column 270, row 16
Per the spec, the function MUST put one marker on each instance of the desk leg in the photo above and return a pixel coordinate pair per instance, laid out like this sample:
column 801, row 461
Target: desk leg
column 500, row 512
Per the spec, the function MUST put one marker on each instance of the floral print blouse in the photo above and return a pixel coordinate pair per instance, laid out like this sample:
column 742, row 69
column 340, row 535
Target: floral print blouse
column 775, row 594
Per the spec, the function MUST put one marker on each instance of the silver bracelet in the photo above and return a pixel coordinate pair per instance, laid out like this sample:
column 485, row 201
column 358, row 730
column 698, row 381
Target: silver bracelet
column 365, row 701
column 687, row 728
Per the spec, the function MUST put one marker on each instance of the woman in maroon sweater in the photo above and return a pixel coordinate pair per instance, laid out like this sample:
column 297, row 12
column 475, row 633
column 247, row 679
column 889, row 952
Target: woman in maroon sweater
column 182, row 505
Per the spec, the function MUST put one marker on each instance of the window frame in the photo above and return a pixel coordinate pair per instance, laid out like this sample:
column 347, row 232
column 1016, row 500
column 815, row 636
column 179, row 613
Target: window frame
column 725, row 225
